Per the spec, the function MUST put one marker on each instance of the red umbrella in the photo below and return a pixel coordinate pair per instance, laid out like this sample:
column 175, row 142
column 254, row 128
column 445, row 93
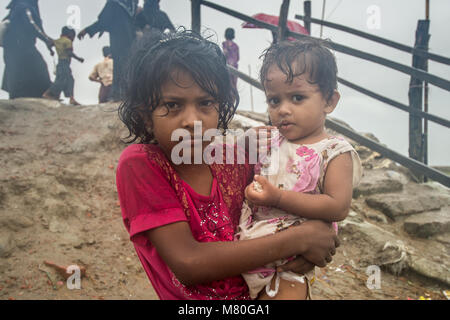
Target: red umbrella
column 292, row 25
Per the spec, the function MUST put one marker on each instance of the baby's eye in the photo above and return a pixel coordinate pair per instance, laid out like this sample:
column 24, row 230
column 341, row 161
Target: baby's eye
column 273, row 101
column 297, row 98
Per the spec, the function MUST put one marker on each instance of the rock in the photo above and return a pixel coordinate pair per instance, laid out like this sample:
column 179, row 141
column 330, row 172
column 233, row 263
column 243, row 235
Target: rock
column 444, row 238
column 6, row 244
column 379, row 181
column 57, row 208
column 57, row 226
column 430, row 269
column 373, row 235
column 85, row 142
column 396, row 206
column 427, row 224
column 16, row 223
column 375, row 216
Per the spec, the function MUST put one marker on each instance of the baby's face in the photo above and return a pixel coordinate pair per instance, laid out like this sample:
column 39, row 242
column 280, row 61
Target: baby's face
column 297, row 108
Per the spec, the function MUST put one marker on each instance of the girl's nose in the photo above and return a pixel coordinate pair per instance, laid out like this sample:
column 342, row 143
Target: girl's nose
column 189, row 117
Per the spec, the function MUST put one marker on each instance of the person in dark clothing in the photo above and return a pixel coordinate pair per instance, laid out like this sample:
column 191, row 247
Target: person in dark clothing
column 64, row 81
column 153, row 18
column 26, row 73
column 117, row 18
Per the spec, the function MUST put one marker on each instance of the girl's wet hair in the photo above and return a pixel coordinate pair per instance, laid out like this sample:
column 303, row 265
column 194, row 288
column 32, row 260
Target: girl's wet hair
column 151, row 64
column 309, row 56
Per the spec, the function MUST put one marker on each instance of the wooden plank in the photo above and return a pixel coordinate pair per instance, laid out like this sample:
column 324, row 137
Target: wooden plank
column 282, row 20
column 240, row 16
column 398, row 105
column 307, row 11
column 412, row 164
column 393, row 44
column 437, row 81
column 196, row 15
column 417, row 73
column 416, row 142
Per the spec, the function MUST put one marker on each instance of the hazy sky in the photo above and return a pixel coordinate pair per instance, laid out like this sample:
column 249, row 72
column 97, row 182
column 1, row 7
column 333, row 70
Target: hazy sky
column 397, row 21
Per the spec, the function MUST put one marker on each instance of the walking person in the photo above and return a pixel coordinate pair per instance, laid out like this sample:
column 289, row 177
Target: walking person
column 26, row 73
column 117, row 18
column 103, row 74
column 64, row 81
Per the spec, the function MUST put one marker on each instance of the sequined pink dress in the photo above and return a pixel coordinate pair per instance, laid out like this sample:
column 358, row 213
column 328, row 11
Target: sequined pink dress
column 152, row 195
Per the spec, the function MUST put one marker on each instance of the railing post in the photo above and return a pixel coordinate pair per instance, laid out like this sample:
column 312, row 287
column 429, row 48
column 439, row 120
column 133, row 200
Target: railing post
column 195, row 15
column 307, row 14
column 416, row 142
column 282, row 20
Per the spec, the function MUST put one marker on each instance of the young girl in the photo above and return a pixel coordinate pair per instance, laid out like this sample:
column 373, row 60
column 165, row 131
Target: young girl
column 231, row 51
column 316, row 172
column 182, row 217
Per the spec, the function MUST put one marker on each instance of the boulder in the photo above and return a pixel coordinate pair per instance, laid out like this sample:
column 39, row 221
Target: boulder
column 427, row 224
column 430, row 269
column 379, row 181
column 397, row 206
column 6, row 244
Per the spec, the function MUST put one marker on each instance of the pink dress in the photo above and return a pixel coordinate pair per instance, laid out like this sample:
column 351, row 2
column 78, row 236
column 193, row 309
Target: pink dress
column 152, row 195
column 299, row 168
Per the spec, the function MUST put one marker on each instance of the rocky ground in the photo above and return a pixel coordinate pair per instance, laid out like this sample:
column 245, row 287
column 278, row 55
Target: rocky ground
column 58, row 203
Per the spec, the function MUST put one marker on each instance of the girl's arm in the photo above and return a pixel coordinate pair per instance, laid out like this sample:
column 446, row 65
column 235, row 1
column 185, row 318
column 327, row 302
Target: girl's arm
column 331, row 206
column 195, row 262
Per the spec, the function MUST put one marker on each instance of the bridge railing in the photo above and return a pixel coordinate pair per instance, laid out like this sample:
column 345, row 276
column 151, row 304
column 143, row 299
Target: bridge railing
column 281, row 30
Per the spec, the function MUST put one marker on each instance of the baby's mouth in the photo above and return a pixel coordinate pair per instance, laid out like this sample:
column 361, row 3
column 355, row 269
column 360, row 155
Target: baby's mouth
column 284, row 125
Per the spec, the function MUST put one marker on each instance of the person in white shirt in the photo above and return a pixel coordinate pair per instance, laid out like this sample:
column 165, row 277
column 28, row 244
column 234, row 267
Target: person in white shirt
column 103, row 73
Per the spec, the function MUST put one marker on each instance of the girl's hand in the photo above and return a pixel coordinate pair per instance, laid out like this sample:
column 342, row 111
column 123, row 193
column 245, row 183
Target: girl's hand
column 320, row 242
column 299, row 265
column 262, row 193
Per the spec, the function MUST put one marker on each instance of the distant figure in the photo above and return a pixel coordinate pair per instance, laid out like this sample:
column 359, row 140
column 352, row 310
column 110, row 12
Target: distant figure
column 64, row 81
column 231, row 51
column 117, row 18
column 103, row 73
column 26, row 73
column 153, row 18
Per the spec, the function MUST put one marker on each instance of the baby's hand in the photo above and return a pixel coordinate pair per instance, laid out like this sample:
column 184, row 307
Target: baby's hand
column 262, row 193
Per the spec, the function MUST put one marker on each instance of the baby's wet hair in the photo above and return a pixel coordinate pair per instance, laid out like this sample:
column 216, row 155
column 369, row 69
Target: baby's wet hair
column 310, row 56
column 151, row 64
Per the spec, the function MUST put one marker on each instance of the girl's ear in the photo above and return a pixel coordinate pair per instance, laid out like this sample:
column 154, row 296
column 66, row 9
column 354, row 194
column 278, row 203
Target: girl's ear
column 332, row 102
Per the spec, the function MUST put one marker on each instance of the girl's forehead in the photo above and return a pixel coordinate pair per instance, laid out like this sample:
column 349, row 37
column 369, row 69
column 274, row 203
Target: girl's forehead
column 181, row 83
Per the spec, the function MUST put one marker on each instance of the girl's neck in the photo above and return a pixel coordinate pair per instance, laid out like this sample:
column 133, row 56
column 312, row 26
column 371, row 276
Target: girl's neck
column 198, row 176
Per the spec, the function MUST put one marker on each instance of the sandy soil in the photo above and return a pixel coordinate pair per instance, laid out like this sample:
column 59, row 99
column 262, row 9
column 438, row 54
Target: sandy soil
column 58, row 203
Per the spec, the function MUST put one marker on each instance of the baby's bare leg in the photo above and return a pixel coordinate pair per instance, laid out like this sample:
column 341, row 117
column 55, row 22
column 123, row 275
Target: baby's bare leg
column 287, row 290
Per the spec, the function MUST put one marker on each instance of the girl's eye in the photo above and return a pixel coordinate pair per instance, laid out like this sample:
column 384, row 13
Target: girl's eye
column 207, row 103
column 297, row 98
column 171, row 105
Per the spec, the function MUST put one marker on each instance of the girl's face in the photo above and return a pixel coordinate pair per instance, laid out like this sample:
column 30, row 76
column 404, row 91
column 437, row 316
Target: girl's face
column 297, row 109
column 183, row 102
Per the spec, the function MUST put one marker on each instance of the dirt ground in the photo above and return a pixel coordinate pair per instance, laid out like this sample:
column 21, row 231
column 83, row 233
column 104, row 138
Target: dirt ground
column 58, row 203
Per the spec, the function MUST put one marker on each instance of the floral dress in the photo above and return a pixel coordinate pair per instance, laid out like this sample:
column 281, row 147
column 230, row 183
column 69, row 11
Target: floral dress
column 293, row 167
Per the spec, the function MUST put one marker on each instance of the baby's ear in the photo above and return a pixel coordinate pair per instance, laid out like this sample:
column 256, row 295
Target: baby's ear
column 332, row 102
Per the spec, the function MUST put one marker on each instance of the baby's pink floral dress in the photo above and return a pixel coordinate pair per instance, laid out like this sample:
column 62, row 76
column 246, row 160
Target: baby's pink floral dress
column 293, row 167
